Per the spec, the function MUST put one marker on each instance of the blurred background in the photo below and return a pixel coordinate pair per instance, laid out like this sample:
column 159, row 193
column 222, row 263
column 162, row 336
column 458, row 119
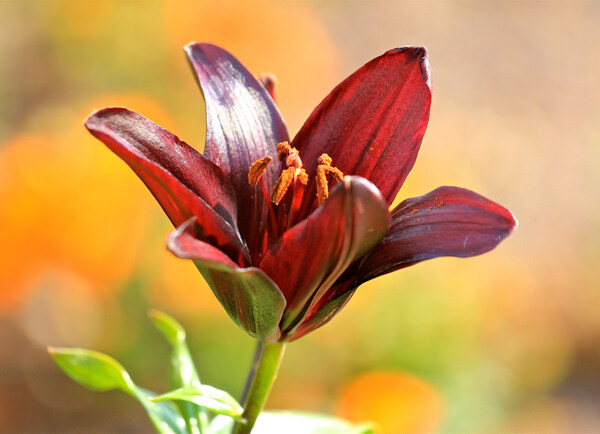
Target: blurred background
column 505, row 342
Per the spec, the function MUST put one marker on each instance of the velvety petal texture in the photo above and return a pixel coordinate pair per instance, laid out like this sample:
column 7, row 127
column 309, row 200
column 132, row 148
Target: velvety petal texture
column 372, row 123
column 250, row 297
column 309, row 257
column 243, row 124
column 449, row 221
column 283, row 269
column 182, row 180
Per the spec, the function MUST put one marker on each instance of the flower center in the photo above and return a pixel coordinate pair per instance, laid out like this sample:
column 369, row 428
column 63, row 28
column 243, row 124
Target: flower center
column 292, row 171
column 284, row 207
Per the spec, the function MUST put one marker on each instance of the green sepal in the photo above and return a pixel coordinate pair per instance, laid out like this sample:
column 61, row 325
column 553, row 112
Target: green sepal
column 252, row 300
column 98, row 371
column 211, row 398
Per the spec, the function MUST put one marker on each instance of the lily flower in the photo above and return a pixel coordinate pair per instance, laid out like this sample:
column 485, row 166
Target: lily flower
column 285, row 231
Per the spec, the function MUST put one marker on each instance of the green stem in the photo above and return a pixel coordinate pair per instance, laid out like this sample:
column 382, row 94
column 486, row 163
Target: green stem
column 264, row 376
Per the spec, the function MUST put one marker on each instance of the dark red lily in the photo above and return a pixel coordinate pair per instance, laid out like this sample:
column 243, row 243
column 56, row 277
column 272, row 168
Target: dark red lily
column 284, row 270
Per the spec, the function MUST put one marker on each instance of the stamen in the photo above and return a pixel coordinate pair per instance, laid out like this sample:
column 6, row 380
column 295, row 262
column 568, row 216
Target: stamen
column 322, row 188
column 335, row 173
column 302, row 176
column 282, row 184
column 273, row 231
column 325, row 160
column 257, row 169
column 323, row 169
column 283, row 150
column 293, row 171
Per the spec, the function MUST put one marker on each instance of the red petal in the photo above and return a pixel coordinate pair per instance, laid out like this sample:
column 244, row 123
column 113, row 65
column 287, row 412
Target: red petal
column 308, row 258
column 248, row 295
column 448, row 221
column 242, row 125
column 183, row 181
column 323, row 311
column 372, row 124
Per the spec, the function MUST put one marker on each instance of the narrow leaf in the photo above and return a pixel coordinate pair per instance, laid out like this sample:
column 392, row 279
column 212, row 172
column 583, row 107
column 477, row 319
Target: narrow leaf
column 216, row 400
column 92, row 369
column 182, row 371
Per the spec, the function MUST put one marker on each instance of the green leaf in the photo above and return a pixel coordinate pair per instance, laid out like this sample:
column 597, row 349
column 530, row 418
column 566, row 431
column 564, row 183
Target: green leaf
column 297, row 422
column 182, row 372
column 101, row 372
column 215, row 400
column 92, row 369
column 165, row 418
column 168, row 326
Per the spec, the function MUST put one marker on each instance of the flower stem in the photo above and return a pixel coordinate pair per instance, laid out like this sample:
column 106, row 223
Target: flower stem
column 264, row 374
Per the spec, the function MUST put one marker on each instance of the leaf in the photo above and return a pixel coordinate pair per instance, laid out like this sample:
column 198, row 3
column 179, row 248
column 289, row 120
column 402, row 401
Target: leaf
column 297, row 422
column 216, row 400
column 101, row 372
column 92, row 369
column 168, row 326
column 165, row 418
column 182, row 371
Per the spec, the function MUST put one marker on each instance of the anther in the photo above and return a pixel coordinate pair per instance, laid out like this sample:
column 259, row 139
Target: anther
column 282, row 184
column 302, row 176
column 283, row 150
column 323, row 169
column 257, row 169
column 293, row 171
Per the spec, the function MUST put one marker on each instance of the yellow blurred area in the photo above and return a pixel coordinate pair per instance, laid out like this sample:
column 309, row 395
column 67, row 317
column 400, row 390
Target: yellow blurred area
column 69, row 203
column 395, row 402
column 265, row 37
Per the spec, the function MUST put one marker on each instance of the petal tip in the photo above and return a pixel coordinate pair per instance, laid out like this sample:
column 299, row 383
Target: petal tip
column 351, row 181
column 95, row 119
column 173, row 240
column 513, row 222
column 421, row 53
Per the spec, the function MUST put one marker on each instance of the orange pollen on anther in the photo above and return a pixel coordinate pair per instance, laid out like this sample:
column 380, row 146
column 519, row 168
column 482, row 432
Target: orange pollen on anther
column 293, row 171
column 283, row 183
column 323, row 169
column 302, row 176
column 283, row 150
column 258, row 168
